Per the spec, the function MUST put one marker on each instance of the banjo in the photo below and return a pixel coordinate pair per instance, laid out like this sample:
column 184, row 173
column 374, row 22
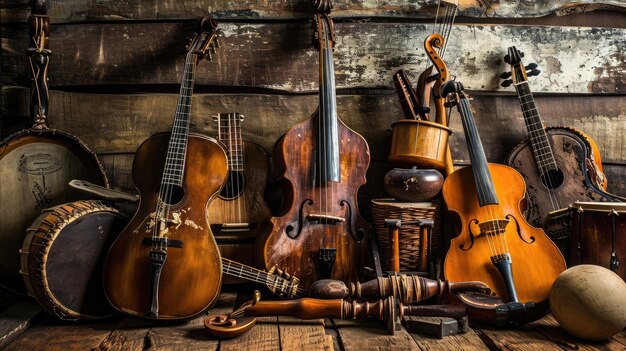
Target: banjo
column 37, row 163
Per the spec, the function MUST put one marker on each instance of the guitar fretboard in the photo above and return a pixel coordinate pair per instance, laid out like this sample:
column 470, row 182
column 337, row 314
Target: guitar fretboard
column 177, row 149
column 536, row 132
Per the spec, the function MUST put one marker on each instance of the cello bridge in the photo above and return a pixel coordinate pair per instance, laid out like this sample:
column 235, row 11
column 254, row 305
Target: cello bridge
column 493, row 227
column 324, row 219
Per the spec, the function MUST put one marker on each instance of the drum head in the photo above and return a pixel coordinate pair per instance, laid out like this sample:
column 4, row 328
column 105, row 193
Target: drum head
column 74, row 264
column 34, row 172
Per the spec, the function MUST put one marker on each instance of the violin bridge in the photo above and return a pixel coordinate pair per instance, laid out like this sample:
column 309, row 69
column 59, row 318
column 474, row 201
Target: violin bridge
column 324, row 219
column 493, row 227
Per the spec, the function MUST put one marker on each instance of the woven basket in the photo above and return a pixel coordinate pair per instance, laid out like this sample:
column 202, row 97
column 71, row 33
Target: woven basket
column 409, row 234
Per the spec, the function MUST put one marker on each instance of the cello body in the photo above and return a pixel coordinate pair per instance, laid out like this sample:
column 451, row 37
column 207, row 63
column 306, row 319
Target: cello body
column 190, row 280
column 294, row 241
column 536, row 259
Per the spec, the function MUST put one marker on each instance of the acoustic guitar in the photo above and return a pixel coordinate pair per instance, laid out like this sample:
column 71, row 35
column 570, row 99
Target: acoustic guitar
column 495, row 244
column 560, row 165
column 320, row 232
column 239, row 214
column 166, row 264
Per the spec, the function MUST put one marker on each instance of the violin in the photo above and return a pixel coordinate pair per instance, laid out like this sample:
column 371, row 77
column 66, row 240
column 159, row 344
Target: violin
column 320, row 232
column 495, row 244
column 166, row 264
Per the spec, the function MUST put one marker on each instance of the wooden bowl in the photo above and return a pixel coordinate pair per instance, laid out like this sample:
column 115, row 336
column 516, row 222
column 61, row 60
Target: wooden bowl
column 413, row 185
column 419, row 143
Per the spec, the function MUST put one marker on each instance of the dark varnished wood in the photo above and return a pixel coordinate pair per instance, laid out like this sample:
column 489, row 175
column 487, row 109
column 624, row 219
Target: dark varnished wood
column 190, row 281
column 294, row 161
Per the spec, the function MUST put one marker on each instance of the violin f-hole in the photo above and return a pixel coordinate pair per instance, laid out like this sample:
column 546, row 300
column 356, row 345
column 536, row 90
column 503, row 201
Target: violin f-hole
column 470, row 235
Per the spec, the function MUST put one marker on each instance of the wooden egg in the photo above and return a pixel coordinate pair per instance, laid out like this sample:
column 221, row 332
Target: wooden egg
column 589, row 302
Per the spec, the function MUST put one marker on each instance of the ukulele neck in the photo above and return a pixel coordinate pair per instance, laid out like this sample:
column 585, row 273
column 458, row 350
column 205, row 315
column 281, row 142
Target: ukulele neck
column 480, row 167
column 229, row 133
column 177, row 149
column 536, row 132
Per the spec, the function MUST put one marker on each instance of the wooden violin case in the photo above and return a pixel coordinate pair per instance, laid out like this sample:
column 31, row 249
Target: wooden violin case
column 37, row 163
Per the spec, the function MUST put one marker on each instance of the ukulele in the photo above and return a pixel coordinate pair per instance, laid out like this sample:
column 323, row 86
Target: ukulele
column 560, row 165
column 239, row 214
column 320, row 232
column 495, row 244
column 166, row 264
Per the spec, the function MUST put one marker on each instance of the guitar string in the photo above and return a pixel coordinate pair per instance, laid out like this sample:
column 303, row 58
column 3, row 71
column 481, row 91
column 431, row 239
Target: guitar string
column 242, row 160
column 535, row 135
column 471, row 135
column 254, row 274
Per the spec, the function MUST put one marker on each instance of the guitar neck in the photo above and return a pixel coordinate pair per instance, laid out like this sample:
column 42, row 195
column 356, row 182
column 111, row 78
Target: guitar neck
column 177, row 149
column 229, row 133
column 536, row 133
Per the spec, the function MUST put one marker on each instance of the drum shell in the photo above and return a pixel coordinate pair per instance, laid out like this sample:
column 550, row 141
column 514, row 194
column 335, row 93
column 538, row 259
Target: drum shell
column 591, row 236
column 419, row 143
column 62, row 258
column 27, row 188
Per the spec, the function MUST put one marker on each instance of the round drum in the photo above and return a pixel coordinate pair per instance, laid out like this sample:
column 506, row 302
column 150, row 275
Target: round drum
column 419, row 143
column 598, row 235
column 62, row 258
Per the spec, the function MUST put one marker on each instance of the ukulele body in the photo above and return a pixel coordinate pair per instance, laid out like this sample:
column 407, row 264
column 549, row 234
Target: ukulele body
column 192, row 273
column 536, row 261
column 246, row 206
column 578, row 159
column 296, row 236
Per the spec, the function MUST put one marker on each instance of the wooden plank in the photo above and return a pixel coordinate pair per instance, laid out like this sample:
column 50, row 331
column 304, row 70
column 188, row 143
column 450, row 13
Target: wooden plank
column 51, row 334
column 71, row 11
column 280, row 55
column 522, row 339
column 467, row 341
column 298, row 334
column 15, row 320
column 549, row 327
column 119, row 123
column 264, row 336
column 372, row 335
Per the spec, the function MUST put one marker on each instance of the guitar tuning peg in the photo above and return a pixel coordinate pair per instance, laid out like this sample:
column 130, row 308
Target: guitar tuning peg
column 521, row 54
column 531, row 66
column 506, row 58
column 534, row 72
column 506, row 83
column 505, row 75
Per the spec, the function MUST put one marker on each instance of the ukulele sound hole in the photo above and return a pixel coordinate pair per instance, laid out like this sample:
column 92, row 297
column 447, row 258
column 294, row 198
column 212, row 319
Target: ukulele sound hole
column 552, row 179
column 234, row 186
column 172, row 194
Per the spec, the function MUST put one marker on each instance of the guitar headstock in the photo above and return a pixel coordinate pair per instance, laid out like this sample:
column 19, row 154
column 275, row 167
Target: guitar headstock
column 519, row 73
column 206, row 42
column 283, row 285
column 323, row 31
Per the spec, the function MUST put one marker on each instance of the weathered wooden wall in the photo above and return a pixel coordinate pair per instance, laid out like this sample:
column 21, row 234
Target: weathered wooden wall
column 116, row 67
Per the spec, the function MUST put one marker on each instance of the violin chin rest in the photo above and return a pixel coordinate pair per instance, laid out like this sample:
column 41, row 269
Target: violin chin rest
column 224, row 328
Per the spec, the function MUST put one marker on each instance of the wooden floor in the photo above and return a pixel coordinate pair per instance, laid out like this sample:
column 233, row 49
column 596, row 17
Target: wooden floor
column 280, row 333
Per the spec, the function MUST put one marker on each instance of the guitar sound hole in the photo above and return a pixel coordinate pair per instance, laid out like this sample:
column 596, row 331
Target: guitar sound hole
column 234, row 186
column 172, row 194
column 552, row 179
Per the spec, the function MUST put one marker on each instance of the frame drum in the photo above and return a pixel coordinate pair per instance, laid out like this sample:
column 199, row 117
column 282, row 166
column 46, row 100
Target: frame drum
column 598, row 235
column 62, row 258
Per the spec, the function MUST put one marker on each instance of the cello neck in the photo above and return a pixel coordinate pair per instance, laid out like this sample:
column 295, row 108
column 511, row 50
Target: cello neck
column 328, row 135
column 480, row 169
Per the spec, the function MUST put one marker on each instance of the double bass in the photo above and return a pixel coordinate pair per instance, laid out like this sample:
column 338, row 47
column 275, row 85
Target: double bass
column 320, row 232
column 495, row 244
column 166, row 264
